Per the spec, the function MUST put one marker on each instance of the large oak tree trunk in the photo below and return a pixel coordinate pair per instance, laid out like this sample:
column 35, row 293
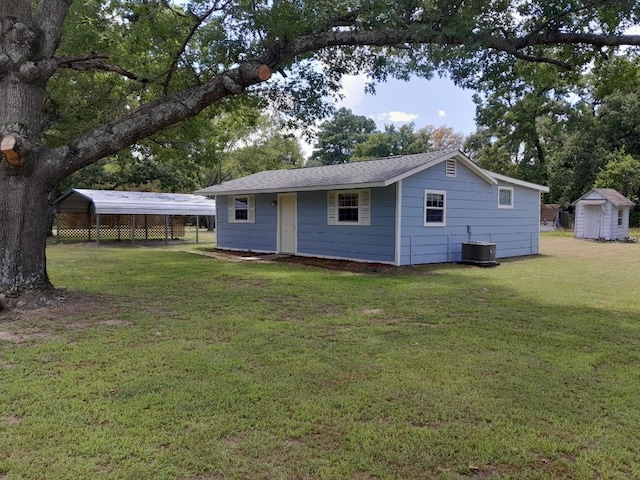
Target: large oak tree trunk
column 27, row 43
column 24, row 220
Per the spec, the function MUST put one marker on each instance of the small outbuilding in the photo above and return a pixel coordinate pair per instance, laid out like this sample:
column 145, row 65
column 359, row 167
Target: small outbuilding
column 549, row 217
column 118, row 215
column 602, row 214
column 403, row 210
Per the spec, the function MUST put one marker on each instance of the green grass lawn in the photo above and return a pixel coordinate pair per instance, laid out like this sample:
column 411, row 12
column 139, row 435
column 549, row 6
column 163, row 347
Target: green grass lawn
column 163, row 364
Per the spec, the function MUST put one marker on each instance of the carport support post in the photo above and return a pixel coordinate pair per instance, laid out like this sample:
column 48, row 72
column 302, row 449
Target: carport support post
column 197, row 227
column 166, row 230
column 97, row 228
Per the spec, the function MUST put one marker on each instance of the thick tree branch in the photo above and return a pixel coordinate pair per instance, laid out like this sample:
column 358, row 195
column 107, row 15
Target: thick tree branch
column 67, row 62
column 512, row 46
column 94, row 61
column 563, row 38
column 149, row 119
column 50, row 18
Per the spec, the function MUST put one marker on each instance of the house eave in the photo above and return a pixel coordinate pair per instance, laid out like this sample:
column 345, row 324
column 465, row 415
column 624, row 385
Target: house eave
column 346, row 186
column 521, row 183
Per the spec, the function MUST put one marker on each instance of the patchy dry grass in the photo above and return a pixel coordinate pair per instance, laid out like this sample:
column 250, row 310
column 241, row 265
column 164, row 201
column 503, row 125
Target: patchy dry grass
column 167, row 365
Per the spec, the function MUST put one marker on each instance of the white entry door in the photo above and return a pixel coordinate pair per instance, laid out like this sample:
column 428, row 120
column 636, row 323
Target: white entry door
column 592, row 219
column 287, row 223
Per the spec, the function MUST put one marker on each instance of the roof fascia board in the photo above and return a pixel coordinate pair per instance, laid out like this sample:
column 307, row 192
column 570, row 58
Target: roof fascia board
column 346, row 186
column 521, row 183
column 593, row 202
column 575, row 202
column 156, row 212
column 71, row 192
column 481, row 172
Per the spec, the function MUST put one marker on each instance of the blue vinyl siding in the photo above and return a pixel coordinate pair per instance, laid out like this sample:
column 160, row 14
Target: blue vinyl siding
column 260, row 236
column 471, row 203
column 375, row 242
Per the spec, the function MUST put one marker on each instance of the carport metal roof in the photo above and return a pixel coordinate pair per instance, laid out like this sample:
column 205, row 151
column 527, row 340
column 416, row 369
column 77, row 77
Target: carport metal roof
column 80, row 200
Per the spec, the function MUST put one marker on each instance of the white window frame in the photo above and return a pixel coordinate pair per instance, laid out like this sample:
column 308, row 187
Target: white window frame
column 620, row 217
column 364, row 207
column 251, row 208
column 505, row 189
column 443, row 223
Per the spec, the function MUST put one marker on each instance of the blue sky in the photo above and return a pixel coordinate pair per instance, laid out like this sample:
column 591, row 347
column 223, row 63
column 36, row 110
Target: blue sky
column 436, row 102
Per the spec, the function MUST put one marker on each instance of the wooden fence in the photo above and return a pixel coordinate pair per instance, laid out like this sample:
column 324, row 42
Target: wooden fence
column 85, row 226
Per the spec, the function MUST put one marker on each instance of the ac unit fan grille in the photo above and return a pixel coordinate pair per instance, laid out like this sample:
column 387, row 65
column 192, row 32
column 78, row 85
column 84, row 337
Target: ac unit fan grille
column 479, row 252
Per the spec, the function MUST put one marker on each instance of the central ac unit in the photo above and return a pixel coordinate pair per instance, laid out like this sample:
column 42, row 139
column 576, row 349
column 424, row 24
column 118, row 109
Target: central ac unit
column 479, row 253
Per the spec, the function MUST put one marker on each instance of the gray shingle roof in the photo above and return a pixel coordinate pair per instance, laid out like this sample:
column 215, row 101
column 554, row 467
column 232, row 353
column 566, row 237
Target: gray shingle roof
column 608, row 194
column 614, row 197
column 373, row 173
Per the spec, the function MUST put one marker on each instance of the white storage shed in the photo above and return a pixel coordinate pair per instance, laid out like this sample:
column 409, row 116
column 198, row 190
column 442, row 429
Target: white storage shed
column 602, row 214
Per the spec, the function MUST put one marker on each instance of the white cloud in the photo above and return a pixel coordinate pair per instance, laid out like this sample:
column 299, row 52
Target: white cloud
column 442, row 113
column 352, row 91
column 397, row 117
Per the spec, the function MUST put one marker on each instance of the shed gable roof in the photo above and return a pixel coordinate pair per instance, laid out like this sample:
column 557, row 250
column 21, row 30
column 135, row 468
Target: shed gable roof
column 380, row 172
column 606, row 194
column 79, row 200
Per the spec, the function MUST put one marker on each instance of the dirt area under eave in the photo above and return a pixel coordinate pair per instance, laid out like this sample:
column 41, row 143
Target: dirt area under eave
column 326, row 263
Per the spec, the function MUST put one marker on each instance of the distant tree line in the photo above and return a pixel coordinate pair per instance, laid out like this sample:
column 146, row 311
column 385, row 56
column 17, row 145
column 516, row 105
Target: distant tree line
column 347, row 137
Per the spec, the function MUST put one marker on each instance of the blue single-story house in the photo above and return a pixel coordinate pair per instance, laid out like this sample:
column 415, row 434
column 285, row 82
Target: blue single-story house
column 402, row 210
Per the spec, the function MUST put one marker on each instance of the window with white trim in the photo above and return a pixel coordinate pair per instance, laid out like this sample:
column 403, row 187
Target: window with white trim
column 349, row 207
column 241, row 208
column 505, row 197
column 620, row 218
column 435, row 204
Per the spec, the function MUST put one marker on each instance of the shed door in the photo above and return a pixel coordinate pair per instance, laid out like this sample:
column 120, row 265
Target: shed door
column 592, row 219
column 287, row 223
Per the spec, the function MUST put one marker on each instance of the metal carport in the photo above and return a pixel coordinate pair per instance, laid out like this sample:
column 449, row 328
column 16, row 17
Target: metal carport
column 90, row 205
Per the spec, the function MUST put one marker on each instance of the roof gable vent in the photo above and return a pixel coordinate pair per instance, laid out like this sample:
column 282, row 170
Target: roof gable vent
column 450, row 167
